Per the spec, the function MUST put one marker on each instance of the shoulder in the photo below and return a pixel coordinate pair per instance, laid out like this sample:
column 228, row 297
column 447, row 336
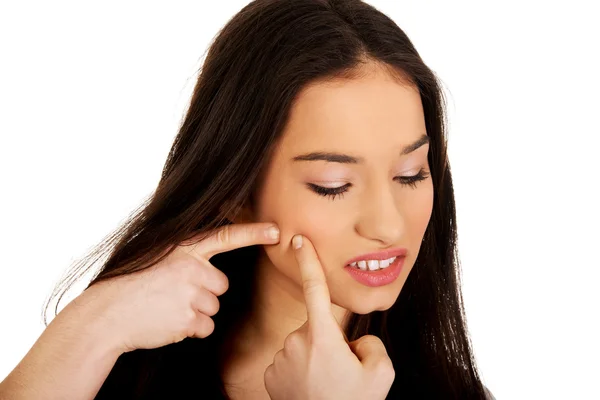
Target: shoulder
column 488, row 394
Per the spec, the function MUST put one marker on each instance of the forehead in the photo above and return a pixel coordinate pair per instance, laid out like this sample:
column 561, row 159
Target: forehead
column 371, row 109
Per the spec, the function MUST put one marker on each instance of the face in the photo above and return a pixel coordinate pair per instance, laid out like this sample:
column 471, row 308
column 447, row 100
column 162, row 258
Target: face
column 347, row 209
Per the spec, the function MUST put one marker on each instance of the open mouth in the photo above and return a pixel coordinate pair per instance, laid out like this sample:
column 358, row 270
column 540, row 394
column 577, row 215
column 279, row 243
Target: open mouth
column 372, row 265
column 378, row 273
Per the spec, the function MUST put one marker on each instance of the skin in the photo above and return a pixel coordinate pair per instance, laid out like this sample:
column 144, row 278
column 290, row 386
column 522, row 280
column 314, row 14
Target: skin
column 373, row 117
column 317, row 361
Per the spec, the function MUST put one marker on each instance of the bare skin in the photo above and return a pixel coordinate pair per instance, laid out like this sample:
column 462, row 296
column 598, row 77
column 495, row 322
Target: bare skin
column 373, row 117
column 316, row 361
column 160, row 305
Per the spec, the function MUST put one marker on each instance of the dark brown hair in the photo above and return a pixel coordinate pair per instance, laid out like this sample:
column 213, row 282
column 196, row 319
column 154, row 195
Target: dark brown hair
column 256, row 66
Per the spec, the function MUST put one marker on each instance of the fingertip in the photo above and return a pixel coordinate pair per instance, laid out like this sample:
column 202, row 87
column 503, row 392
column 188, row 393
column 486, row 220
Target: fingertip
column 297, row 241
column 273, row 232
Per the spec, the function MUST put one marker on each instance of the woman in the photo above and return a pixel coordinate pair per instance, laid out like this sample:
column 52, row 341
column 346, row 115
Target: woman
column 317, row 116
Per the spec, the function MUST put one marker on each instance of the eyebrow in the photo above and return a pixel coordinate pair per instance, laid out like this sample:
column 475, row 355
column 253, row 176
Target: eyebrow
column 346, row 159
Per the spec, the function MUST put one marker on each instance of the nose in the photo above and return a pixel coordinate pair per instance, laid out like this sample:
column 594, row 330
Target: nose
column 381, row 218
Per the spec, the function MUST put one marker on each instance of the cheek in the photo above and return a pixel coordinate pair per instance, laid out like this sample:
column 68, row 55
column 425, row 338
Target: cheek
column 298, row 213
column 279, row 204
column 421, row 206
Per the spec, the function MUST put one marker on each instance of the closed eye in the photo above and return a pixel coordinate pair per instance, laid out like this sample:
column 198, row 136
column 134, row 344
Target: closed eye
column 411, row 181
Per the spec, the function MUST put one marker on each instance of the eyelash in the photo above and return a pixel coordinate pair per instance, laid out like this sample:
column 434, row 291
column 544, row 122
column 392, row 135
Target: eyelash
column 404, row 180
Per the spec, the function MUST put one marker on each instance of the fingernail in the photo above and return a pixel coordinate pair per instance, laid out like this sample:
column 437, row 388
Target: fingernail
column 297, row 241
column 273, row 232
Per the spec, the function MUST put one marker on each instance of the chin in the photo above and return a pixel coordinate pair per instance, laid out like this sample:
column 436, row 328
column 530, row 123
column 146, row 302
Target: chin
column 368, row 307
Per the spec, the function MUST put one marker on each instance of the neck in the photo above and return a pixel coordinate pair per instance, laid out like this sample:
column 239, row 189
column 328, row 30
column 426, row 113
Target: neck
column 277, row 310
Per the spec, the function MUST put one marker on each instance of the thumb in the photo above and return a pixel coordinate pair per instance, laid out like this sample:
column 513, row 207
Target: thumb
column 370, row 350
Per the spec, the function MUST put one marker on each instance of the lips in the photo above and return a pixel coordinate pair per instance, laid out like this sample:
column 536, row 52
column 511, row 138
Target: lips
column 380, row 277
column 380, row 255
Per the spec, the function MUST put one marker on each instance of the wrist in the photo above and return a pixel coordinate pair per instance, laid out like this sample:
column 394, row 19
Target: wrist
column 87, row 319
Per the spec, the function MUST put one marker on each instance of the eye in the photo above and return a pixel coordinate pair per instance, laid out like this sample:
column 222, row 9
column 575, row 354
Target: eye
column 413, row 180
column 339, row 191
column 332, row 192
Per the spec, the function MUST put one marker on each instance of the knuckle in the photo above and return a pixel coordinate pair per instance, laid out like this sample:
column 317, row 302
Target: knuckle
column 224, row 235
column 292, row 342
column 209, row 325
column 224, row 282
column 269, row 375
column 212, row 306
column 384, row 369
column 391, row 375
column 214, row 279
column 371, row 341
column 203, row 327
column 311, row 286
column 278, row 357
column 196, row 255
column 189, row 318
column 217, row 281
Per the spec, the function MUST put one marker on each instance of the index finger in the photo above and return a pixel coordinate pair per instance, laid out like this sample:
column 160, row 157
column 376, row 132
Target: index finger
column 231, row 237
column 314, row 284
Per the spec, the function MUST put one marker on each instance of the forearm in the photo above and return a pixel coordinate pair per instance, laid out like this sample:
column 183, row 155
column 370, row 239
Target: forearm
column 70, row 360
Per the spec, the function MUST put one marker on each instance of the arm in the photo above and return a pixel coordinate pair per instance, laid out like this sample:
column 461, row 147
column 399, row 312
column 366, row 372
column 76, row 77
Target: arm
column 71, row 359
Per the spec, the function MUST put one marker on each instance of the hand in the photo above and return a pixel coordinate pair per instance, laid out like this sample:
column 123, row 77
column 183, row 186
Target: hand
column 316, row 361
column 170, row 300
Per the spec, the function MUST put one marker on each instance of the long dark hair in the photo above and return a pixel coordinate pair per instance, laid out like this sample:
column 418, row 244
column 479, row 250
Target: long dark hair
column 256, row 66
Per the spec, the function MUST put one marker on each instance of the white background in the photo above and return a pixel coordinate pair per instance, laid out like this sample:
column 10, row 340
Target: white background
column 91, row 96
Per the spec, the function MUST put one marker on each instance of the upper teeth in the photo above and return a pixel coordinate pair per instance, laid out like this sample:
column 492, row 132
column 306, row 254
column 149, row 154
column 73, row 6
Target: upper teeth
column 373, row 265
